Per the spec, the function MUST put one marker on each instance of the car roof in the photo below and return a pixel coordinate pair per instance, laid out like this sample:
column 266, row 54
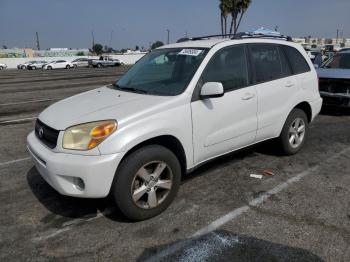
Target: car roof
column 346, row 51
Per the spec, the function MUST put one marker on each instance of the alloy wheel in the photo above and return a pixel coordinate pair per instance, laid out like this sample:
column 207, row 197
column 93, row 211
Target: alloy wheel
column 296, row 132
column 151, row 184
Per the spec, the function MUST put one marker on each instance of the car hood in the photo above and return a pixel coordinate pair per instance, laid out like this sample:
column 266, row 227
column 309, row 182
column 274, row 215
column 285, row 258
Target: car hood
column 99, row 104
column 333, row 73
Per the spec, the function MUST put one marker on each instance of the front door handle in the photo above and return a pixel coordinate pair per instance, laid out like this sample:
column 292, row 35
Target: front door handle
column 248, row 96
column 289, row 84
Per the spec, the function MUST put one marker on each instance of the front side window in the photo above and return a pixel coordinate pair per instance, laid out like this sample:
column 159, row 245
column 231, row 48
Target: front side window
column 266, row 62
column 339, row 61
column 164, row 72
column 229, row 67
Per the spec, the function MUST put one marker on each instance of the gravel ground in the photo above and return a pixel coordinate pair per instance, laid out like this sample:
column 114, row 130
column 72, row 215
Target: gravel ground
column 302, row 213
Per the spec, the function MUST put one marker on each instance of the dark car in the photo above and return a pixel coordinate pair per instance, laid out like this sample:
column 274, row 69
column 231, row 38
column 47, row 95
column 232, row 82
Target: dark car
column 334, row 76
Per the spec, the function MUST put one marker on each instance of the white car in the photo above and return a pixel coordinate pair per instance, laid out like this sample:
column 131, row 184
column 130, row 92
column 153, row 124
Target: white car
column 2, row 66
column 59, row 64
column 178, row 107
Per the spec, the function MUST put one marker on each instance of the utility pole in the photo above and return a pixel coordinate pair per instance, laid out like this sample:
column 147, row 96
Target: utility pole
column 168, row 35
column 93, row 39
column 110, row 39
column 337, row 36
column 37, row 41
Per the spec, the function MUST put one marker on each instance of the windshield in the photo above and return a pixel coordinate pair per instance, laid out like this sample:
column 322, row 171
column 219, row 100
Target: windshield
column 164, row 72
column 339, row 61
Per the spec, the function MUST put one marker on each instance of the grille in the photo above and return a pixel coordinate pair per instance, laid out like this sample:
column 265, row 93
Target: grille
column 335, row 85
column 48, row 136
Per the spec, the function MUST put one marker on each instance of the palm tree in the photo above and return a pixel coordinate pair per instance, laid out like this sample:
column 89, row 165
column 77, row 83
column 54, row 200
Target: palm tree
column 225, row 11
column 237, row 10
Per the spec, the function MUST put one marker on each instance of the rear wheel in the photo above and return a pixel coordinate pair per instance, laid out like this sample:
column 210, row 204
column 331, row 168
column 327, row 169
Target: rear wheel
column 49, row 67
column 33, row 67
column 294, row 132
column 67, row 66
column 99, row 65
column 1, row 68
column 146, row 182
column 23, row 67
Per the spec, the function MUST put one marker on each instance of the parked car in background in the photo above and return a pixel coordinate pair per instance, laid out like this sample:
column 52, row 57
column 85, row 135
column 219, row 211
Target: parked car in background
column 80, row 62
column 178, row 107
column 36, row 65
column 2, row 66
column 105, row 61
column 334, row 80
column 24, row 65
column 59, row 64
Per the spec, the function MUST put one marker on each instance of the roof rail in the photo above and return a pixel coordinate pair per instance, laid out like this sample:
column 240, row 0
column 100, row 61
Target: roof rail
column 241, row 35
column 185, row 39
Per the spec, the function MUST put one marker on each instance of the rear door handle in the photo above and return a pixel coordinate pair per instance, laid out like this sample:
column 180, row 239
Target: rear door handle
column 248, row 96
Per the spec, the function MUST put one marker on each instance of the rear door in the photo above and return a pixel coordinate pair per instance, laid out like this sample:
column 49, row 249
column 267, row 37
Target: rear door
column 229, row 122
column 275, row 87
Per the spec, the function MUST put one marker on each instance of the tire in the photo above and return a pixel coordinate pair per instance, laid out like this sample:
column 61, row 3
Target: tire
column 75, row 66
column 127, row 182
column 49, row 68
column 1, row 68
column 33, row 67
column 23, row 67
column 67, row 66
column 99, row 65
column 296, row 125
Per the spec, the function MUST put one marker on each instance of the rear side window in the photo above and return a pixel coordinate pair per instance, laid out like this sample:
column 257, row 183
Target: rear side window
column 229, row 67
column 297, row 60
column 266, row 62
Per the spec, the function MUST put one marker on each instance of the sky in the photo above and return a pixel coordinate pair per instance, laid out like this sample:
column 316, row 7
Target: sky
column 125, row 24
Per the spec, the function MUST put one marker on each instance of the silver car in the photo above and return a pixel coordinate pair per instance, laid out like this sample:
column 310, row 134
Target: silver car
column 36, row 65
column 80, row 62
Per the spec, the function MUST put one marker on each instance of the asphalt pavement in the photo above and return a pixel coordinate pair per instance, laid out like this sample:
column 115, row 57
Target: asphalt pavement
column 301, row 213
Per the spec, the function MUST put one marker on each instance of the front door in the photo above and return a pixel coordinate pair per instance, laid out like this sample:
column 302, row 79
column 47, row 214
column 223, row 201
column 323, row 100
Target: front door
column 226, row 123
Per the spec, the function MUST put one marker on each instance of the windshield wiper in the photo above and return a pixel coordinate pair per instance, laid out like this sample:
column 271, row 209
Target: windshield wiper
column 129, row 89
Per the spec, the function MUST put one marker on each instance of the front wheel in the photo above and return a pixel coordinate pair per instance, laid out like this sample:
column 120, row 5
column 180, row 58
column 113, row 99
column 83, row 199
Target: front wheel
column 146, row 182
column 1, row 68
column 294, row 132
column 67, row 66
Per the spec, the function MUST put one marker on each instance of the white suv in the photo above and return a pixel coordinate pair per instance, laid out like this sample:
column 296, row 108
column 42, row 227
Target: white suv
column 178, row 107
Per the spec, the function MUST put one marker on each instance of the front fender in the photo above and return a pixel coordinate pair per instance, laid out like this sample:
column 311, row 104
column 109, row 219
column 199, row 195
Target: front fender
column 175, row 122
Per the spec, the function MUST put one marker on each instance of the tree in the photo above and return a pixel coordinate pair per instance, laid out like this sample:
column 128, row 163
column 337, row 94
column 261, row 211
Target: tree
column 80, row 53
column 98, row 49
column 237, row 9
column 157, row 44
column 225, row 8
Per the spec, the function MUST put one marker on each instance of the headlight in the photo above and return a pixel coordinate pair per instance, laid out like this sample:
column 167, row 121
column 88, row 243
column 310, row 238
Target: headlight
column 88, row 136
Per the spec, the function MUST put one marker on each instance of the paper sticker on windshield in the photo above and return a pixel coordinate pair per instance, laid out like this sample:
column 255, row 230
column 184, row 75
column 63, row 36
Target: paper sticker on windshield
column 191, row 52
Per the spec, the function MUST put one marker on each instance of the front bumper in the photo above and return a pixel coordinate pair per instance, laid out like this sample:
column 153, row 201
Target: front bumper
column 335, row 99
column 74, row 175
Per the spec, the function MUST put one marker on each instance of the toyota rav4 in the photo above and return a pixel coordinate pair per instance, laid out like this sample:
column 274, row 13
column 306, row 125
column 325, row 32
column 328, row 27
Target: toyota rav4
column 176, row 108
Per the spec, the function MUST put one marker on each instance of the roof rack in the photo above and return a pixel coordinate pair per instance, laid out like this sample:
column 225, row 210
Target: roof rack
column 241, row 35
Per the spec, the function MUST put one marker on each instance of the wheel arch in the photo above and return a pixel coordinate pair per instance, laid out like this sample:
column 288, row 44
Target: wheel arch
column 306, row 107
column 168, row 141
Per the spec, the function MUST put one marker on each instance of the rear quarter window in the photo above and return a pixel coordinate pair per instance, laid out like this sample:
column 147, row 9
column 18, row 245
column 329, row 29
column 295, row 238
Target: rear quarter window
column 297, row 60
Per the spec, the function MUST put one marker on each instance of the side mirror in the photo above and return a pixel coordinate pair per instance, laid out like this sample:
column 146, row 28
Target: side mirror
column 212, row 89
